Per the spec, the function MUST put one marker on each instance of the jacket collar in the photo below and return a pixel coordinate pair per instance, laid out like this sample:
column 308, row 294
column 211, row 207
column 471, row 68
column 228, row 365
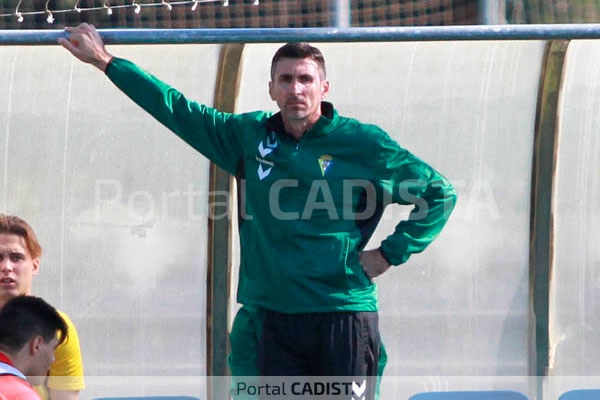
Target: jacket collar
column 328, row 117
column 6, row 367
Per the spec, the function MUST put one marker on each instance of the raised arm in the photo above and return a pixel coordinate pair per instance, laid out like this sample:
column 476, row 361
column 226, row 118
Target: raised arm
column 209, row 131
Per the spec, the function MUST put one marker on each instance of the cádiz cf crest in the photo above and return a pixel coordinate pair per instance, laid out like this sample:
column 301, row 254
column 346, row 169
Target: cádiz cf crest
column 325, row 162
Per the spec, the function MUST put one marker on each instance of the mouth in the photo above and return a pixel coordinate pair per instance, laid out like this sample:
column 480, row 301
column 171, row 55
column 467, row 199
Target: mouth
column 7, row 282
column 295, row 102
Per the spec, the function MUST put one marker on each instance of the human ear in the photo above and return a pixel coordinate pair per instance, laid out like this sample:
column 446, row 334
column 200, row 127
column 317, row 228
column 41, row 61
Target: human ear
column 36, row 266
column 324, row 89
column 271, row 90
column 35, row 344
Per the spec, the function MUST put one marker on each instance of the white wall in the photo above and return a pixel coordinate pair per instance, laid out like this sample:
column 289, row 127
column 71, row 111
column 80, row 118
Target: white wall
column 575, row 321
column 131, row 272
column 119, row 205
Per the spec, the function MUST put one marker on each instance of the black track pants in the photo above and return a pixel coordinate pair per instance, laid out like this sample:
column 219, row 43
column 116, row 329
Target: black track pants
column 340, row 344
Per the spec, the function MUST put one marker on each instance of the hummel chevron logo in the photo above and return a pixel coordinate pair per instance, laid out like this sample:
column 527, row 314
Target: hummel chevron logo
column 264, row 151
column 272, row 141
column 263, row 173
column 359, row 391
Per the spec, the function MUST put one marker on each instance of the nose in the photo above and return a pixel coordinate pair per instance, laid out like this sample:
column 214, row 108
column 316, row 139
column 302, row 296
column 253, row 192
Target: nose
column 297, row 87
column 5, row 265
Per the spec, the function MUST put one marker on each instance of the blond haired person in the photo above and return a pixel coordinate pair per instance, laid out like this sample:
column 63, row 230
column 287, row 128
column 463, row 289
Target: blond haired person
column 20, row 254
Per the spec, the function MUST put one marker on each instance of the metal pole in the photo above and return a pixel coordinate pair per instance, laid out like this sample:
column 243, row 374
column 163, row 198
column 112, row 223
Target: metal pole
column 492, row 12
column 341, row 15
column 276, row 35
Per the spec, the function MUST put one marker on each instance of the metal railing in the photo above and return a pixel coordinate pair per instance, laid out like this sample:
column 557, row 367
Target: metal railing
column 280, row 35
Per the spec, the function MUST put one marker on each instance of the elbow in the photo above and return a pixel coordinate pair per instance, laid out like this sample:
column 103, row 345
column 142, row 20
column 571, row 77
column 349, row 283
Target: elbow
column 448, row 197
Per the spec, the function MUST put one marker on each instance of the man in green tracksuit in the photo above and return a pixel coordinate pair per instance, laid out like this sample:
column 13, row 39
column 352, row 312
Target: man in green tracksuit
column 314, row 186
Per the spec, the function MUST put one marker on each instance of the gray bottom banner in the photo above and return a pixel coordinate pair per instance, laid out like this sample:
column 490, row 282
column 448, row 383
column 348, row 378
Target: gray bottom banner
column 340, row 388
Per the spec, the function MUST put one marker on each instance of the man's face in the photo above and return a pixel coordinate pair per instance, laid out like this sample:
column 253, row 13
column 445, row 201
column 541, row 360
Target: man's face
column 42, row 354
column 17, row 268
column 298, row 88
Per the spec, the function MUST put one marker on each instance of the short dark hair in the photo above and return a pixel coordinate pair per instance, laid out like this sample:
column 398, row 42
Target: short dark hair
column 17, row 226
column 25, row 317
column 299, row 50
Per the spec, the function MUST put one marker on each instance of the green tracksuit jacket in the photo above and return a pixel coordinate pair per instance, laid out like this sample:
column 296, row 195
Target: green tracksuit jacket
column 308, row 206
